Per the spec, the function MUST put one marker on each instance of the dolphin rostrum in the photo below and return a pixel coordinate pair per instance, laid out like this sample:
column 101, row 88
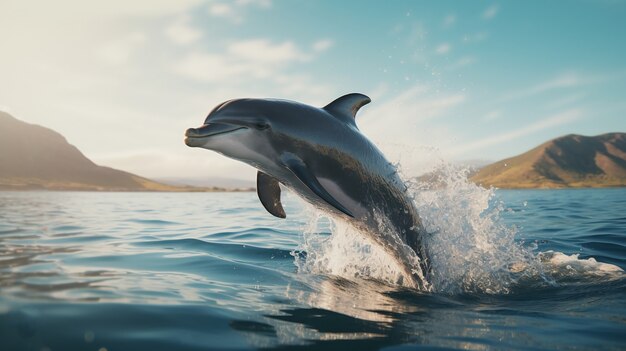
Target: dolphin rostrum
column 320, row 154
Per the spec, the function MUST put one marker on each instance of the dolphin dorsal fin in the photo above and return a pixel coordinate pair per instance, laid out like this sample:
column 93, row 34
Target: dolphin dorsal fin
column 346, row 107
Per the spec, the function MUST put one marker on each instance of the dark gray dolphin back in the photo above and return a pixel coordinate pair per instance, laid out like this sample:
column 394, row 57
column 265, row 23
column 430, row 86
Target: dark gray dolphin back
column 344, row 109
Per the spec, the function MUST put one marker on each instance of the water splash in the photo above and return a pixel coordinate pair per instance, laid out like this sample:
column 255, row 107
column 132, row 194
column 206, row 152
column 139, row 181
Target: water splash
column 346, row 253
column 471, row 249
column 570, row 268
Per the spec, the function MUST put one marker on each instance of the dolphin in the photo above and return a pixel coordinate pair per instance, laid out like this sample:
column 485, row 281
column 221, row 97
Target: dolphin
column 320, row 154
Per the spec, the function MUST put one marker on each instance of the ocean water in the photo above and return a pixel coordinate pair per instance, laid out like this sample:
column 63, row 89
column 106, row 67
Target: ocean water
column 528, row 269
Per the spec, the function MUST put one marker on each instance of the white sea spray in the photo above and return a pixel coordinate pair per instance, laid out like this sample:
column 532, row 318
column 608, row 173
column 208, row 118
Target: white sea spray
column 346, row 253
column 471, row 248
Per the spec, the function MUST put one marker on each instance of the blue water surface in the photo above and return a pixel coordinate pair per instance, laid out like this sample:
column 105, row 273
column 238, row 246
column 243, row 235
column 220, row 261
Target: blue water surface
column 214, row 271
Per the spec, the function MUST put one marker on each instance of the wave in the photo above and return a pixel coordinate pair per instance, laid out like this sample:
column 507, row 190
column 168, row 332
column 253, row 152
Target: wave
column 234, row 251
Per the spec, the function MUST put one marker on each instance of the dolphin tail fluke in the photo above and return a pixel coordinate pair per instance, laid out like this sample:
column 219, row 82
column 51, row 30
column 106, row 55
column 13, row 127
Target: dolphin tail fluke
column 269, row 193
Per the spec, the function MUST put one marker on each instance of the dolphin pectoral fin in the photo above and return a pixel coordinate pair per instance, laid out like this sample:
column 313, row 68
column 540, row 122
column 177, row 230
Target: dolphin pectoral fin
column 269, row 193
column 302, row 172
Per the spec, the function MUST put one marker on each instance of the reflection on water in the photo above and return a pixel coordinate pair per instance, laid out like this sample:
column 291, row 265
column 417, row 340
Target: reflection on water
column 187, row 271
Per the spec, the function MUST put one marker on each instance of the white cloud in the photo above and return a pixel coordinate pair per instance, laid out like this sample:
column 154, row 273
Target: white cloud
column 215, row 68
column 415, row 104
column 322, row 45
column 70, row 11
column 474, row 38
column 119, row 51
column 264, row 51
column 294, row 85
column 443, row 48
column 545, row 123
column 566, row 100
column 221, row 10
column 242, row 60
column 462, row 62
column 492, row 115
column 180, row 32
column 248, row 62
column 490, row 12
column 235, row 11
column 563, row 81
column 258, row 3
column 449, row 21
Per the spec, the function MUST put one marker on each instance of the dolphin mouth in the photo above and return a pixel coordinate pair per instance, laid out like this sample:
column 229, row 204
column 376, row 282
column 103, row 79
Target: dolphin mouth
column 197, row 136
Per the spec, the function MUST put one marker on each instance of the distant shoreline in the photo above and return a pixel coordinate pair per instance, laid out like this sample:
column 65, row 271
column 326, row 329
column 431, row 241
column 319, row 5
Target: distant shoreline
column 127, row 191
column 599, row 186
column 248, row 190
column 34, row 187
column 566, row 188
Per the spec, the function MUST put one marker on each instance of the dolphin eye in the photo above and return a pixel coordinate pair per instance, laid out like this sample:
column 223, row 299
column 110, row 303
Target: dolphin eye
column 261, row 125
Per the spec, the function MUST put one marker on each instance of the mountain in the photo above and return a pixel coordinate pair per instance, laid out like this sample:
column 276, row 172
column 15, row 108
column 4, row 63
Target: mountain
column 34, row 157
column 568, row 161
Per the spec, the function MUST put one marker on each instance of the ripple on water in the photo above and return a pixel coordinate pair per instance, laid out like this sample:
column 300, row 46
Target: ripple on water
column 67, row 228
column 76, row 274
column 245, row 252
column 5, row 232
column 150, row 222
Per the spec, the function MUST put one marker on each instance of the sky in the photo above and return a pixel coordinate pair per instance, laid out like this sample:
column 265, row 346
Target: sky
column 452, row 81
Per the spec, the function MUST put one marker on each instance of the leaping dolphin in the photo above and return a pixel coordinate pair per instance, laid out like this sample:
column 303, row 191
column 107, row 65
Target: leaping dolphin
column 320, row 154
